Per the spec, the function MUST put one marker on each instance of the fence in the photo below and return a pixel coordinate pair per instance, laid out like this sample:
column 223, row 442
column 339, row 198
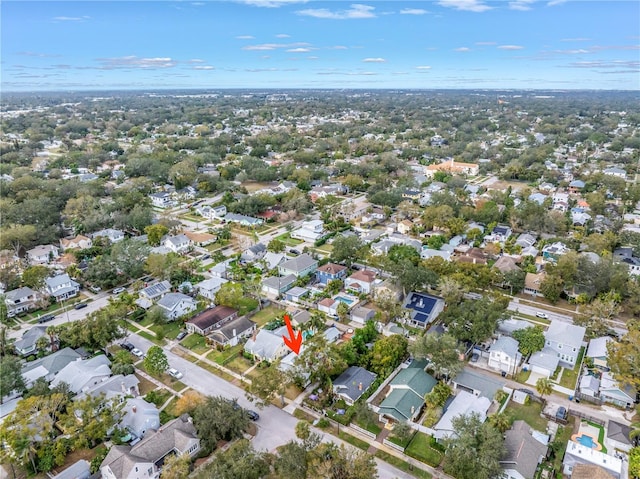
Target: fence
column 362, row 430
column 395, row 446
column 591, row 399
column 582, row 415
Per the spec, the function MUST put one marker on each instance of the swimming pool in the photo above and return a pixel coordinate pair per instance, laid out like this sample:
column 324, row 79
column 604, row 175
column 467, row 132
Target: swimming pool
column 346, row 301
column 586, row 441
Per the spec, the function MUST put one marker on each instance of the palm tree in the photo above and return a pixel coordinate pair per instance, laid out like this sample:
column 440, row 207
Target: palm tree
column 544, row 387
column 52, row 331
column 501, row 421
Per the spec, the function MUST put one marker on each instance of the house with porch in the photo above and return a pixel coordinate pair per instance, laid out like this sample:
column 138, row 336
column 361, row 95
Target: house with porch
column 504, row 355
column 525, row 450
column 533, row 284
column 27, row 344
column 61, row 287
column 43, row 254
column 175, row 305
column 111, row 234
column 177, row 244
column 423, row 308
column 302, row 265
column 274, row 286
column 597, row 352
column 79, row 242
column 361, row 281
column 267, row 345
column 353, row 383
column 209, row 287
column 20, row 301
column 230, row 333
column 206, row 321
column 463, row 404
column 566, row 339
column 405, row 399
column 330, row 272
column 155, row 291
column 82, row 374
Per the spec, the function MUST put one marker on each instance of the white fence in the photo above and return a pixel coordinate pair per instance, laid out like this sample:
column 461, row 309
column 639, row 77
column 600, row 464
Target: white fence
column 362, row 431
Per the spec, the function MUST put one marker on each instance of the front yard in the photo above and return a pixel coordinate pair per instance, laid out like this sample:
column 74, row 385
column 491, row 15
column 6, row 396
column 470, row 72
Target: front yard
column 420, row 448
column 266, row 315
column 570, row 376
column 529, row 413
column 195, row 343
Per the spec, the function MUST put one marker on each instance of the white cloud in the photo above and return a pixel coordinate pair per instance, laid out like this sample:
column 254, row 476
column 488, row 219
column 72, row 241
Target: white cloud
column 579, row 51
column 282, row 35
column 522, row 5
column 271, row 3
column 606, row 64
column 355, row 12
column 274, row 46
column 135, row 62
column 299, row 50
column 467, row 5
column 553, row 3
column 203, row 67
column 338, row 47
column 196, row 60
column 245, row 37
column 579, row 39
column 413, row 11
column 462, row 49
column 374, row 60
column 71, row 19
column 486, row 43
column 423, row 67
column 510, row 47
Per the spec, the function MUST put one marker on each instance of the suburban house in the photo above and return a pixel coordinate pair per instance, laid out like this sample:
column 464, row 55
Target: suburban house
column 212, row 212
column 525, row 449
column 111, row 234
column 209, row 287
column 274, row 286
column 576, row 454
column 48, row 366
column 504, row 355
column 139, row 416
column 329, row 306
column 300, row 317
column 232, row 332
column 113, row 388
column 302, row 265
column 79, row 242
column 161, row 199
column 478, row 385
column 296, row 294
column 361, row 315
column 330, row 272
column 451, row 166
column 353, row 383
column 145, row 459
column 61, row 287
column 589, row 471
column 500, row 233
column 619, row 436
column 20, row 301
column 625, row 255
column 463, row 404
column 83, row 373
column 205, row 322
column 533, row 284
column 254, row 253
column 310, row 231
column 544, row 363
column 566, row 339
column 80, row 469
column 271, row 260
column 407, row 389
column 552, row 252
column 597, row 352
column 155, row 291
column 611, row 391
column 242, row 219
column 42, row 254
column 361, row 281
column 178, row 243
column 176, row 305
column 423, row 308
column 267, row 345
column 27, row 343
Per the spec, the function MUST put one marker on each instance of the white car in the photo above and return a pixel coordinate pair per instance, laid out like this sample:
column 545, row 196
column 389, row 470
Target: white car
column 542, row 315
column 174, row 372
column 119, row 290
column 137, row 352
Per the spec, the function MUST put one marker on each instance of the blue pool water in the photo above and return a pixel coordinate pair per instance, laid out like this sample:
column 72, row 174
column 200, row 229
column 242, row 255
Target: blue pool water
column 586, row 441
column 346, row 301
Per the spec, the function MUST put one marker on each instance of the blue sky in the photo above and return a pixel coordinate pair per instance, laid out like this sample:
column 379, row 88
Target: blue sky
column 518, row 44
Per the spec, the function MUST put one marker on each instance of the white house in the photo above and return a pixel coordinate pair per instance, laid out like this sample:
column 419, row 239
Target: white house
column 267, row 345
column 20, row 301
column 83, row 374
column 504, row 355
column 566, row 339
column 111, row 234
column 361, row 281
column 43, row 254
column 209, row 287
column 309, row 231
column 576, row 454
column 161, row 199
column 176, row 305
column 178, row 243
column 61, row 287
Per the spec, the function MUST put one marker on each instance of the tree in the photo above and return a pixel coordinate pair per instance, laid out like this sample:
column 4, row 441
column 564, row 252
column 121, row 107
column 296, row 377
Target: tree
column 4, row 315
column 239, row 461
column 332, row 462
column 634, row 463
column 501, row 421
column 10, row 376
column 544, row 386
column 97, row 416
column 473, row 320
column 624, row 356
column 18, row 237
column 441, row 351
column 529, row 340
column 34, row 276
column 474, row 450
column 551, row 287
column 229, row 294
column 156, row 362
column 451, row 290
column 319, row 360
column 595, row 316
column 343, row 311
column 515, row 280
column 218, row 418
column 346, row 248
column 388, row 353
column 122, row 363
column 188, row 402
column 302, row 430
column 268, row 385
column 129, row 257
column 176, row 466
column 276, row 246
column 155, row 233
column 438, row 395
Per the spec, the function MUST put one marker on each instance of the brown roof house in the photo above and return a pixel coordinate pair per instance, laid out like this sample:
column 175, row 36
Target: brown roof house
column 533, row 283
column 361, row 281
column 145, row 459
column 230, row 333
column 206, row 321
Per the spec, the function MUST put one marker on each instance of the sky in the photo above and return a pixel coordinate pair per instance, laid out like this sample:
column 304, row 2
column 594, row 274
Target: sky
column 215, row 44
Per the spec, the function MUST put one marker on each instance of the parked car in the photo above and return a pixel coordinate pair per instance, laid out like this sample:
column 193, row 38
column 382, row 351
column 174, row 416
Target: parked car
column 542, row 315
column 174, row 373
column 561, row 414
column 181, row 335
column 475, row 357
column 95, row 289
column 46, row 318
column 128, row 346
column 119, row 290
column 136, row 352
column 254, row 416
column 80, row 305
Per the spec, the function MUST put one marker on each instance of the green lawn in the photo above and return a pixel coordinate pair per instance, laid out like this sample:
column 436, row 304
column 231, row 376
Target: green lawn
column 245, row 305
column 420, row 449
column 522, row 376
column 239, row 364
column 267, row 314
column 168, row 330
column 529, row 413
column 570, row 376
column 354, row 441
column 195, row 343
column 288, row 240
column 151, row 337
column 562, row 437
column 402, row 465
column 221, row 357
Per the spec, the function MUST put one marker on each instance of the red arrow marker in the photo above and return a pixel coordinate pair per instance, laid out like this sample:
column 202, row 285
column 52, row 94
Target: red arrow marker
column 293, row 341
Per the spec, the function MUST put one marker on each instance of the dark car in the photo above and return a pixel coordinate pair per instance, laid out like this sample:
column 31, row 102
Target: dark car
column 127, row 346
column 254, row 416
column 46, row 318
column 561, row 414
column 475, row 357
column 181, row 335
column 80, row 305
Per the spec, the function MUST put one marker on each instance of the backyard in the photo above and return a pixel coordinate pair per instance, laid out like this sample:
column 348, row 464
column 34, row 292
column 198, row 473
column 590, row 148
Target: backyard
column 570, row 376
column 266, row 315
column 288, row 240
column 529, row 413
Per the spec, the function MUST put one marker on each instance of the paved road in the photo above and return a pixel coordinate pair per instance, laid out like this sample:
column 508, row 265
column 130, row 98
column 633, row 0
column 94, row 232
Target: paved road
column 275, row 426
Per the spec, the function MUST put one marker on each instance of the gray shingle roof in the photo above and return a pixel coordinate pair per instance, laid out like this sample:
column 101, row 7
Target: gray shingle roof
column 299, row 263
column 354, row 382
column 523, row 451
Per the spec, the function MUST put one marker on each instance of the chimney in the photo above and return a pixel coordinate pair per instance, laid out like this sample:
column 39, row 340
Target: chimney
column 413, row 409
column 360, row 387
column 124, row 389
column 234, row 333
column 134, row 409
